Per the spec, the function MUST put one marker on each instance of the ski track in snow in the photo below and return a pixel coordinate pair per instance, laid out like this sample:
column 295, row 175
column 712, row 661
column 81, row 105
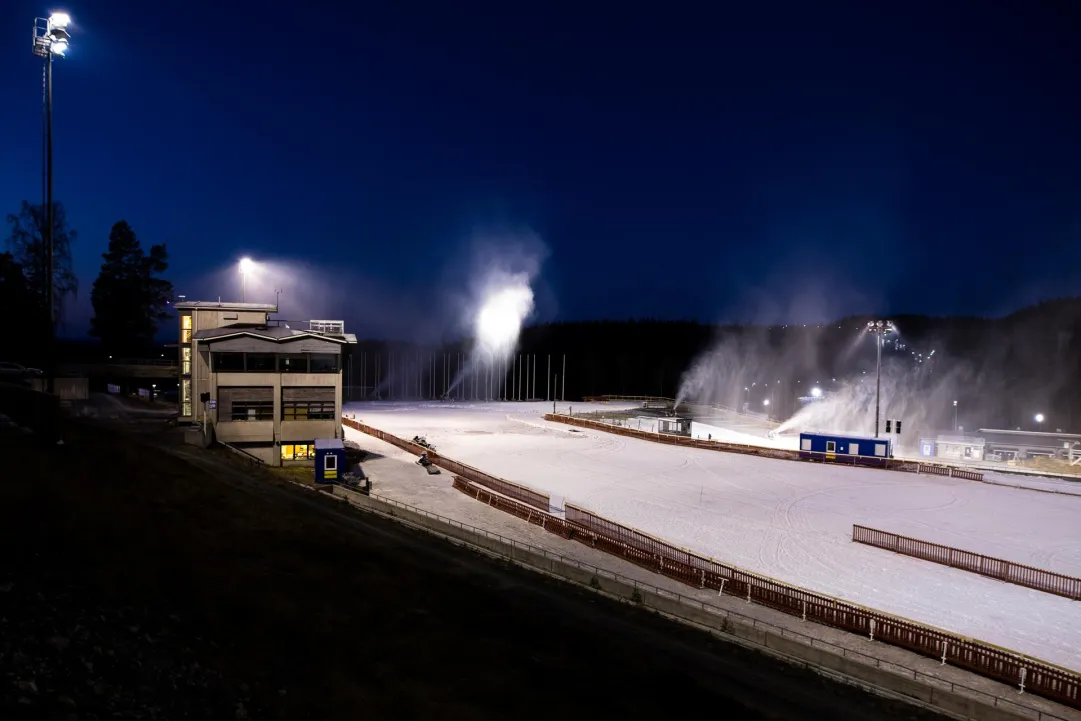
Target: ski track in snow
column 788, row 520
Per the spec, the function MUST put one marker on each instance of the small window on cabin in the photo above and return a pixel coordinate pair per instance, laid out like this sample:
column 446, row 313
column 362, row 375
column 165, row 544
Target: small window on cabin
column 853, row 449
column 831, row 446
column 880, row 449
column 805, row 444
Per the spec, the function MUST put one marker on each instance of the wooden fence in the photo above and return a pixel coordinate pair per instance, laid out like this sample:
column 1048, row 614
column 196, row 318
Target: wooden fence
column 1033, row 675
column 513, row 490
column 1008, row 571
column 893, row 464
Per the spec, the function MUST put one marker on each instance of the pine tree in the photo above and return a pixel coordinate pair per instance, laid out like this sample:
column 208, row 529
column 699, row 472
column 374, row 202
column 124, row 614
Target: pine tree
column 27, row 245
column 129, row 298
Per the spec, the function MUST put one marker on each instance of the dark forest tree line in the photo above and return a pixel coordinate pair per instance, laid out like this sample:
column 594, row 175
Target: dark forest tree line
column 129, row 296
column 1001, row 370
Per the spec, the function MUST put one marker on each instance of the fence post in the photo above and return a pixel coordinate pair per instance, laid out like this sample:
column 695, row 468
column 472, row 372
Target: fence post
column 748, row 591
column 720, row 591
column 1023, row 673
column 872, row 629
column 945, row 646
column 804, row 604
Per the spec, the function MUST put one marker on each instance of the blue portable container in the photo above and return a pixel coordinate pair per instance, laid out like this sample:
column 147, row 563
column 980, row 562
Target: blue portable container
column 845, row 449
column 329, row 460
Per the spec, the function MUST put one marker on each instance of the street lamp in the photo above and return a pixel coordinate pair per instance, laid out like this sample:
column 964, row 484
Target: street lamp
column 51, row 37
column 1039, row 421
column 955, row 416
column 880, row 328
column 816, row 392
column 247, row 265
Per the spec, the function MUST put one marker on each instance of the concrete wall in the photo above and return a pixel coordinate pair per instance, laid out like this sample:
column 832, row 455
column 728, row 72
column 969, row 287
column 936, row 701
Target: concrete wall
column 244, row 431
column 768, row 638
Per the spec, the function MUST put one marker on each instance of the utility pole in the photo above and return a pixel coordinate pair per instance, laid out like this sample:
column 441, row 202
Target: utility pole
column 564, row 376
column 548, row 391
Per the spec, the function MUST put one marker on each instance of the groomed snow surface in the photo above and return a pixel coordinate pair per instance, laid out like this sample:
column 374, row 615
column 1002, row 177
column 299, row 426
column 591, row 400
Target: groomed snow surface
column 786, row 519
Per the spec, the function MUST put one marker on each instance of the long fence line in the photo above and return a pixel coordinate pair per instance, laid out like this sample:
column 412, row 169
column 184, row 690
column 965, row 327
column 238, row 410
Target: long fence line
column 519, row 492
column 1033, row 675
column 1008, row 571
column 526, row 513
column 893, row 464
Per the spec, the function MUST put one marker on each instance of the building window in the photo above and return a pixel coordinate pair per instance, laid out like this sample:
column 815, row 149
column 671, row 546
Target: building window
column 185, row 361
column 324, row 363
column 185, row 410
column 308, row 410
column 185, row 329
column 259, row 362
column 831, row 446
column 185, row 391
column 228, row 362
column 252, row 411
column 293, row 363
column 298, row 451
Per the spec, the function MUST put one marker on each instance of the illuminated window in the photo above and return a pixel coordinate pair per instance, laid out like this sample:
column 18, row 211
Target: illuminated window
column 298, row 451
column 185, row 361
column 185, row 410
column 185, row 390
column 185, row 329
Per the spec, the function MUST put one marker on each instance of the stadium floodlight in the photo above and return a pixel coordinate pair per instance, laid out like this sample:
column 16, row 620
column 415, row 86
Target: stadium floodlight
column 51, row 37
column 246, row 267
column 880, row 328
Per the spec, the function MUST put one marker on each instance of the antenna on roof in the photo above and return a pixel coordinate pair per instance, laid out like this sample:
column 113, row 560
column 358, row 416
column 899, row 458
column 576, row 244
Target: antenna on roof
column 277, row 298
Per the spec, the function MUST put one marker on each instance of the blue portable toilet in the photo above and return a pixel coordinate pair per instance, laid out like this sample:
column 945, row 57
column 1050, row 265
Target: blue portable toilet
column 329, row 460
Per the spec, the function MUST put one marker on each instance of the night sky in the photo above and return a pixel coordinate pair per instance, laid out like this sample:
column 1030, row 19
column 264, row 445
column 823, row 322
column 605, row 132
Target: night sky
column 779, row 161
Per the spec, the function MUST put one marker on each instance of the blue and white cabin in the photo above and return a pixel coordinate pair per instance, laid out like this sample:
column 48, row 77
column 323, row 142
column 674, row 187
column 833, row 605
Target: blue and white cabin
column 831, row 447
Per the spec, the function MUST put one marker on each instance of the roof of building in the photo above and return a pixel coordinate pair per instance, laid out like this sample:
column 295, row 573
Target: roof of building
column 321, row 443
column 275, row 333
column 960, row 440
column 219, row 305
column 1043, row 435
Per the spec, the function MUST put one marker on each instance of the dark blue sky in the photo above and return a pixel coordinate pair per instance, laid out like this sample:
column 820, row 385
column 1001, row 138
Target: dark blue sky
column 769, row 161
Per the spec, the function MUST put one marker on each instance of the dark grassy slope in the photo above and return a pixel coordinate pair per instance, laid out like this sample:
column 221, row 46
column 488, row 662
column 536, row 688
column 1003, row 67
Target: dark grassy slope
column 135, row 585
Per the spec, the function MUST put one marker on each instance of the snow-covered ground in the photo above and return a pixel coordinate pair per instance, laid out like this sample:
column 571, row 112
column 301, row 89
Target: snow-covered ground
column 785, row 519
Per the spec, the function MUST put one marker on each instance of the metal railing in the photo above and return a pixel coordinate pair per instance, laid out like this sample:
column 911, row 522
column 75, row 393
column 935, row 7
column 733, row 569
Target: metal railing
column 1008, row 571
column 1039, row 677
column 549, row 522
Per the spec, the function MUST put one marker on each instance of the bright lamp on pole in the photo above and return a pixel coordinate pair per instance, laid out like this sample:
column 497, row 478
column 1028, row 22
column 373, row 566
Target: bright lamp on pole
column 880, row 328
column 246, row 267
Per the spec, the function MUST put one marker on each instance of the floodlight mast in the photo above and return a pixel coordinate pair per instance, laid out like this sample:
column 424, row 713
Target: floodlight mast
column 50, row 38
column 880, row 328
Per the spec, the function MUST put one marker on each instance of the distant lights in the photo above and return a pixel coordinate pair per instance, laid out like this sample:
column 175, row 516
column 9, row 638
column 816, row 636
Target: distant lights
column 816, row 392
